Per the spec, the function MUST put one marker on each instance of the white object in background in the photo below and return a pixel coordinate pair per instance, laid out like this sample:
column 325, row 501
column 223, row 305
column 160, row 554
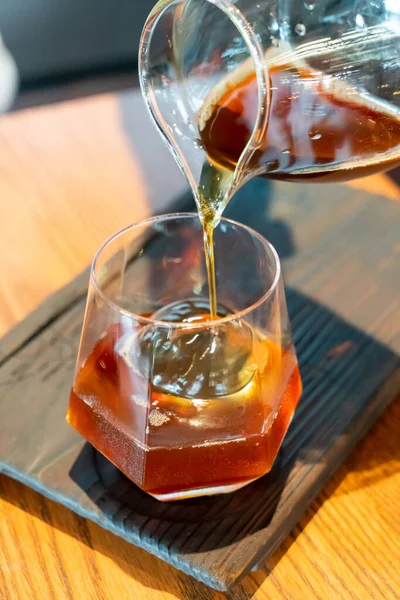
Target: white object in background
column 8, row 78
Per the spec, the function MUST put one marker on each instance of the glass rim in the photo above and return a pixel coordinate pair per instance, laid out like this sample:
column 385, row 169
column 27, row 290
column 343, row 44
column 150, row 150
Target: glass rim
column 209, row 323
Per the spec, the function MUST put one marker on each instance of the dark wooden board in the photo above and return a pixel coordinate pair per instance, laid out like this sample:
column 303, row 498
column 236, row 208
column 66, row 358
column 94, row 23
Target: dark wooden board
column 341, row 255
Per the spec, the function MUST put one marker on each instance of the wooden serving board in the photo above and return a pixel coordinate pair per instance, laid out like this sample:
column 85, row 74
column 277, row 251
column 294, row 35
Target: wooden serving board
column 341, row 256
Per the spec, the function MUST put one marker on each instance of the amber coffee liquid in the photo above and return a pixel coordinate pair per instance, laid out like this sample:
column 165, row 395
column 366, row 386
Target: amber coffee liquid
column 313, row 132
column 207, row 415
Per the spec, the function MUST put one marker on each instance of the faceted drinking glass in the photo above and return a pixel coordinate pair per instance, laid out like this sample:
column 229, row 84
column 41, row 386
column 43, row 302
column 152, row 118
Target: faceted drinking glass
column 182, row 404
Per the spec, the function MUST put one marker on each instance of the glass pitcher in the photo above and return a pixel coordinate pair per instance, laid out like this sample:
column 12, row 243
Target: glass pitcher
column 287, row 89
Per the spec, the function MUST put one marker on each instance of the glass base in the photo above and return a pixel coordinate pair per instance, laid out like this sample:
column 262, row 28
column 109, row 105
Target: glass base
column 207, row 491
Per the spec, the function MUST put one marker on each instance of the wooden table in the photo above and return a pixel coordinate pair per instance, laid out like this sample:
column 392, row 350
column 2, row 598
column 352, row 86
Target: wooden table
column 70, row 175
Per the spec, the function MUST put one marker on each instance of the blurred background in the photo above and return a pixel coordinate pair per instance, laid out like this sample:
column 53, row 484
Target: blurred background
column 69, row 48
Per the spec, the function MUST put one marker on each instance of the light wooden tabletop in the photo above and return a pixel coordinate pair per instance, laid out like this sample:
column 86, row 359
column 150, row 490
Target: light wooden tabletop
column 70, row 175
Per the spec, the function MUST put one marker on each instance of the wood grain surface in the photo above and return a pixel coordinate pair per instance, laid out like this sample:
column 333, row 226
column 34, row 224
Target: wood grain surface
column 58, row 165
